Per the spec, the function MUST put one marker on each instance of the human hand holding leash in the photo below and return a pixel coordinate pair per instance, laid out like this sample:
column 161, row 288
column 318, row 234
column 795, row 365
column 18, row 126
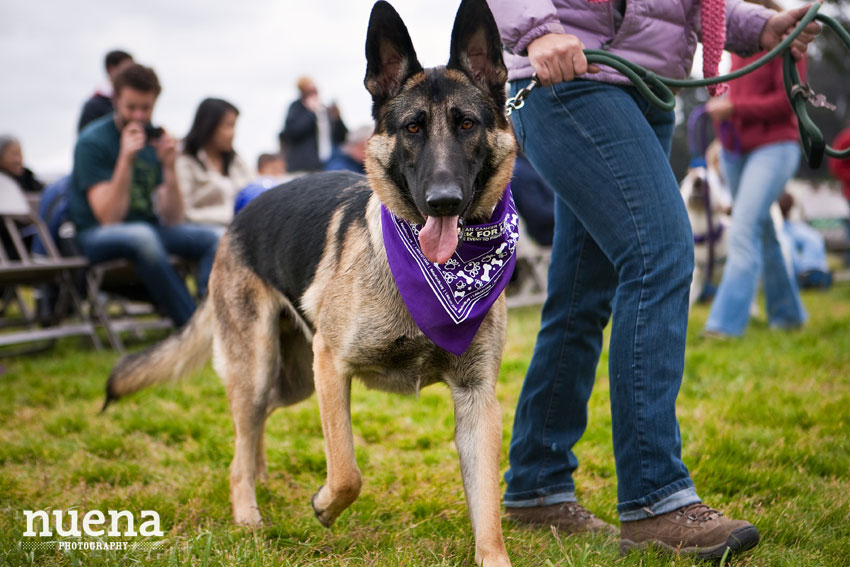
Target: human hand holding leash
column 558, row 57
column 780, row 25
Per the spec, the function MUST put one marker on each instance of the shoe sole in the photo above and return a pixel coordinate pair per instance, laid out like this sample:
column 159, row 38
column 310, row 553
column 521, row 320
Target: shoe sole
column 739, row 541
column 607, row 529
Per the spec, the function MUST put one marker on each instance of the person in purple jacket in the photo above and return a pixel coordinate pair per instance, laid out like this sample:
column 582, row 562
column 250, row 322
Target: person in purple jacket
column 622, row 246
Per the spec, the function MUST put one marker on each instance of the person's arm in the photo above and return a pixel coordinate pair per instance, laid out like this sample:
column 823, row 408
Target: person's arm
column 213, row 214
column 783, row 23
column 189, row 182
column 185, row 166
column 168, row 198
column 745, row 22
column 751, row 28
column 520, row 23
column 195, row 188
column 533, row 29
column 110, row 200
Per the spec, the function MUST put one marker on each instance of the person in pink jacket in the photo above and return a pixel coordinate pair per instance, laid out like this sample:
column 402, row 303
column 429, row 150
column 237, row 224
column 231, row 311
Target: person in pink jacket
column 623, row 246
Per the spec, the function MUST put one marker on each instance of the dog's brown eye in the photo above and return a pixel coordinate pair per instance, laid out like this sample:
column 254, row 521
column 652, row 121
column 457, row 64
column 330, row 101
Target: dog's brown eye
column 413, row 128
column 467, row 124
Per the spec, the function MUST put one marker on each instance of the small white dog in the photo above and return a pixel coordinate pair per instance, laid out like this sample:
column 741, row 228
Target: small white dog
column 703, row 192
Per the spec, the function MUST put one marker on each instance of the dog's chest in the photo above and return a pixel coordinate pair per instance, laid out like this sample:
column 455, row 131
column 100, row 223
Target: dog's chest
column 403, row 365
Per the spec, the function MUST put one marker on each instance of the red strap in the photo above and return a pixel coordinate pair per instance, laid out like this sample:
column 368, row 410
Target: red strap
column 713, row 15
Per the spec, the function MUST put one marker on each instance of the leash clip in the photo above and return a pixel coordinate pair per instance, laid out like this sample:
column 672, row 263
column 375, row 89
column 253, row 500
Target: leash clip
column 813, row 98
column 518, row 101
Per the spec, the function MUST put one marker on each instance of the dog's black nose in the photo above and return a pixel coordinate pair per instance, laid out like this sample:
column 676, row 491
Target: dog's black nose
column 444, row 200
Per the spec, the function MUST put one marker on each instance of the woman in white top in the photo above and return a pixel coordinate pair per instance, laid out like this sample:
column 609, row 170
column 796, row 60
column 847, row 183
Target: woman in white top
column 209, row 172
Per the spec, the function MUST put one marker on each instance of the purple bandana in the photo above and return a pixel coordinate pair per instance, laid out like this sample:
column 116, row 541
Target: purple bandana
column 449, row 301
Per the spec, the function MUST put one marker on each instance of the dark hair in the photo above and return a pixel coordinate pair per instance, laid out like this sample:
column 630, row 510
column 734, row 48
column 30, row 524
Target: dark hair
column 115, row 57
column 266, row 159
column 137, row 77
column 209, row 115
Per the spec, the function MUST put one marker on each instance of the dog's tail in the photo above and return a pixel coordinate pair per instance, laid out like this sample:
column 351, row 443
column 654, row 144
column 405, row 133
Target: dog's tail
column 180, row 354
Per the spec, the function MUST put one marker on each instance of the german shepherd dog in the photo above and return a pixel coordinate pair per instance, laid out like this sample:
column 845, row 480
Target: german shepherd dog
column 301, row 296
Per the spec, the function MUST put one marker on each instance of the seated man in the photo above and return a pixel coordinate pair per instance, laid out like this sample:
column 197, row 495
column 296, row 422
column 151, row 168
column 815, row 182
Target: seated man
column 123, row 168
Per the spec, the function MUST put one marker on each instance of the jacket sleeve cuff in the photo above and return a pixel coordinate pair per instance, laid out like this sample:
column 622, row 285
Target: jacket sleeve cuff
column 744, row 25
column 521, row 46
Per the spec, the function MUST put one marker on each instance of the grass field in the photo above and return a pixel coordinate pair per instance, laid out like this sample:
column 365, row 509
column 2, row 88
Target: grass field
column 765, row 422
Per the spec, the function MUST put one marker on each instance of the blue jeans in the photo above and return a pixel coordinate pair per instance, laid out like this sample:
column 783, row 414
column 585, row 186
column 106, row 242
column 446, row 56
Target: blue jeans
column 622, row 242
column 148, row 247
column 756, row 180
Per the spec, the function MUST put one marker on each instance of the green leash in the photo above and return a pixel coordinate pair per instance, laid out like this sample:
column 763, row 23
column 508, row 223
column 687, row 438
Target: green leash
column 658, row 90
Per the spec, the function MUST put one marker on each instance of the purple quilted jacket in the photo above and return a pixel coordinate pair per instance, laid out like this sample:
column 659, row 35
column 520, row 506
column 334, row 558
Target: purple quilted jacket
column 660, row 35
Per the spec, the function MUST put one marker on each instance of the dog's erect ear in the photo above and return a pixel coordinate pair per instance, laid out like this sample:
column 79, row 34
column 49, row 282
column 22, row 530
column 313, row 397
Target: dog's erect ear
column 390, row 58
column 477, row 49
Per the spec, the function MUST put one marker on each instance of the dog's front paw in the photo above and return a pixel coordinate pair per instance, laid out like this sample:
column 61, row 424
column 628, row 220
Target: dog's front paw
column 248, row 517
column 494, row 560
column 328, row 504
column 321, row 514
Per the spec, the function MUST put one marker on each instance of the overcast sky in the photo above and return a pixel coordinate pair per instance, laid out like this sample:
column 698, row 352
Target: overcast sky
column 249, row 52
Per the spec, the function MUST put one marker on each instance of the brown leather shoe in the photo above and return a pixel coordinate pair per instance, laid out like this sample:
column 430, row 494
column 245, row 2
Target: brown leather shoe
column 569, row 517
column 695, row 529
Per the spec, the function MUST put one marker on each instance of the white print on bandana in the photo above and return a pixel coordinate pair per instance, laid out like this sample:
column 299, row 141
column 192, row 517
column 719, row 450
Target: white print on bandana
column 473, row 270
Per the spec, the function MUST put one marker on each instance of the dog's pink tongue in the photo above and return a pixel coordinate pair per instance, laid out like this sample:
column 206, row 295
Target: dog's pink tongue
column 438, row 238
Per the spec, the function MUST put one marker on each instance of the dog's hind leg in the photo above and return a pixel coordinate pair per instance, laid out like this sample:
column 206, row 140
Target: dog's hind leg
column 478, row 436
column 246, row 354
column 248, row 421
column 333, row 389
column 260, row 468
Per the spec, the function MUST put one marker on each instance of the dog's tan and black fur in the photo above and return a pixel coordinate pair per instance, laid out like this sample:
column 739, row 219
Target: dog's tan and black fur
column 301, row 296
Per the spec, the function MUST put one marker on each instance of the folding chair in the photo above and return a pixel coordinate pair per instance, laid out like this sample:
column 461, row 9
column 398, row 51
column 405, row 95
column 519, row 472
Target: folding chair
column 120, row 302
column 19, row 269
